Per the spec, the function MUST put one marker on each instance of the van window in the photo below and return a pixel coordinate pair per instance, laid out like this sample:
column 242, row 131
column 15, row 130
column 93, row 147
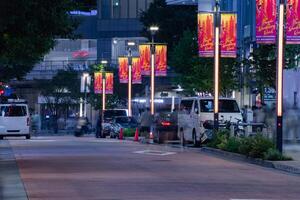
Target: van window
column 109, row 114
column 13, row 111
column 225, row 106
column 186, row 105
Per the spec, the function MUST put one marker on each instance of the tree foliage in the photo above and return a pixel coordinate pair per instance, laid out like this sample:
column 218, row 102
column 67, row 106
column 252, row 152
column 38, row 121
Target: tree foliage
column 172, row 20
column 27, row 32
column 196, row 74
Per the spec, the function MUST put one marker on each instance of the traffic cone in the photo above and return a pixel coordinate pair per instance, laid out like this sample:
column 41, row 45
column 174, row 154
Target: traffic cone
column 136, row 135
column 121, row 134
column 151, row 137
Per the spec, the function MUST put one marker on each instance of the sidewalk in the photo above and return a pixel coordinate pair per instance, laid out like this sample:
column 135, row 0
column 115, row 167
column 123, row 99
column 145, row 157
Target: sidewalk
column 11, row 185
column 292, row 150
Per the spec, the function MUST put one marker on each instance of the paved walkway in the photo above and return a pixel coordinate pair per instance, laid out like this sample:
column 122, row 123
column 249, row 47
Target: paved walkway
column 11, row 185
column 292, row 150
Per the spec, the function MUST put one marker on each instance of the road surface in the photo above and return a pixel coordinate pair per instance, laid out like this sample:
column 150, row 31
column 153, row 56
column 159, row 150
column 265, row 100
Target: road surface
column 87, row 168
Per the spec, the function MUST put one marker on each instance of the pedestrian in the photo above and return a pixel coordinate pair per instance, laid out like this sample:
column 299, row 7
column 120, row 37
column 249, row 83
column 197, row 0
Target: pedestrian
column 146, row 121
column 99, row 126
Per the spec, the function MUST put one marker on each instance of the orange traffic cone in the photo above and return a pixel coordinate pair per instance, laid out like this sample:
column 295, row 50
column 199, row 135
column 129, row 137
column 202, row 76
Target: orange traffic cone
column 121, row 134
column 136, row 135
column 151, row 137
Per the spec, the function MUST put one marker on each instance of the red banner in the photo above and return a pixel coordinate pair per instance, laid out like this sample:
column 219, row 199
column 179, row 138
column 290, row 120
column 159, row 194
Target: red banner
column 161, row 60
column 98, row 83
column 228, row 37
column 136, row 71
column 123, row 69
column 145, row 57
column 266, row 21
column 293, row 22
column 109, row 83
column 206, row 34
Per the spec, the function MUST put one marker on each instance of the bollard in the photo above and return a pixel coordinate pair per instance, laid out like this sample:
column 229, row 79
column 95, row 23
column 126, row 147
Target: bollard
column 136, row 135
column 121, row 134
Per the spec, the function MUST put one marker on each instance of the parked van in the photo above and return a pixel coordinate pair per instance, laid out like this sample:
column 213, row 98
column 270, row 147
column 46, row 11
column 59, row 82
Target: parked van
column 194, row 111
column 14, row 119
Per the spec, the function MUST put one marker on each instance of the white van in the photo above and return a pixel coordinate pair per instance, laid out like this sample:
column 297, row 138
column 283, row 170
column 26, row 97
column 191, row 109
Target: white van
column 194, row 111
column 14, row 119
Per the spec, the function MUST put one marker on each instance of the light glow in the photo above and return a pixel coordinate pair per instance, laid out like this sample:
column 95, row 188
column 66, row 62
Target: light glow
column 103, row 94
column 154, row 28
column 216, row 71
column 280, row 60
column 152, row 84
column 129, row 90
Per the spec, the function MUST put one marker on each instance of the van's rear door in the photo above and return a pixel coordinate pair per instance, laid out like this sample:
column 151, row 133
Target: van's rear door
column 14, row 118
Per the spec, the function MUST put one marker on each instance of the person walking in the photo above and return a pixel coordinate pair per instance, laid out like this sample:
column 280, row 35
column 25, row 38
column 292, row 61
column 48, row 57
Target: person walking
column 146, row 121
column 99, row 126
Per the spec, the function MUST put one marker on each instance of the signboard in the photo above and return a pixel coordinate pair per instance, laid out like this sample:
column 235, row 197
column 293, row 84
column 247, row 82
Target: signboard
column 293, row 22
column 206, row 34
column 109, row 83
column 266, row 21
column 98, row 83
column 85, row 83
column 123, row 69
column 145, row 57
column 228, row 35
column 161, row 60
column 136, row 71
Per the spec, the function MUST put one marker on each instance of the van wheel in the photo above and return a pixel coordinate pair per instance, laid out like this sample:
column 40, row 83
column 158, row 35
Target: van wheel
column 195, row 142
column 1, row 137
column 28, row 137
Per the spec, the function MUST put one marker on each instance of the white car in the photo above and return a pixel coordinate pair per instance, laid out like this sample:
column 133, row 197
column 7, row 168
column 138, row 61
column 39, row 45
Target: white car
column 14, row 119
column 194, row 111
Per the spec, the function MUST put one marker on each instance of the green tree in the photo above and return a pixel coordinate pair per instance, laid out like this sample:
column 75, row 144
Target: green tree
column 60, row 93
column 172, row 21
column 196, row 74
column 28, row 29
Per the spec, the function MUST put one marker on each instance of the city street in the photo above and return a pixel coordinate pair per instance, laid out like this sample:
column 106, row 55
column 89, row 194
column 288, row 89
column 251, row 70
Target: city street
column 87, row 168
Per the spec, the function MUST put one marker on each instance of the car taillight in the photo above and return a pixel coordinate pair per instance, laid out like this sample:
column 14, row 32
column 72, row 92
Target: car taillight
column 166, row 123
column 28, row 121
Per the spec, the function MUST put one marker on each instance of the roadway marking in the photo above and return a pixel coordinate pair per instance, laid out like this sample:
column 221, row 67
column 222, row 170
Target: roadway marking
column 155, row 152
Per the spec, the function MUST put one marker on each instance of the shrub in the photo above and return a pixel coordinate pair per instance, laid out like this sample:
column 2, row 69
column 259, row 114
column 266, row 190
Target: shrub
column 128, row 132
column 259, row 146
column 245, row 146
column 274, row 154
column 218, row 138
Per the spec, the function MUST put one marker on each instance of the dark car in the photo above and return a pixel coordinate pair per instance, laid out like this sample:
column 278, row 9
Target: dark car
column 165, row 127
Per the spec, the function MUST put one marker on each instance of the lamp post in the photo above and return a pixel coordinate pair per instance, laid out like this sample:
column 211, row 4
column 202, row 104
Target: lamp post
column 130, row 44
column 153, row 30
column 104, row 63
column 280, row 65
column 85, row 77
column 216, row 65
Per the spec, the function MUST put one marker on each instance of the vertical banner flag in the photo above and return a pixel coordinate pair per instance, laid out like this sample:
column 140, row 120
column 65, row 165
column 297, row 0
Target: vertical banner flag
column 293, row 22
column 206, row 34
column 145, row 57
column 98, row 83
column 109, row 83
column 136, row 71
column 266, row 21
column 228, row 37
column 123, row 69
column 161, row 60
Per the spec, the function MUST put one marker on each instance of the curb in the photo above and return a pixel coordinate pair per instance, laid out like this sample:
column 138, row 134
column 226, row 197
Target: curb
column 256, row 161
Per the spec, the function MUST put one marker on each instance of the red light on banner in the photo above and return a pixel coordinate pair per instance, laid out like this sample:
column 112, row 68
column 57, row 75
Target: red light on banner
column 206, row 34
column 136, row 71
column 293, row 22
column 109, row 83
column 98, row 83
column 228, row 37
column 266, row 21
column 145, row 56
column 123, row 69
column 161, row 60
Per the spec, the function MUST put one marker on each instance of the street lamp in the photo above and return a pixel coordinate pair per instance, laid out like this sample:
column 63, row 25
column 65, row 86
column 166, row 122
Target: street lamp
column 153, row 31
column 280, row 64
column 85, row 77
column 130, row 44
column 104, row 63
column 216, row 65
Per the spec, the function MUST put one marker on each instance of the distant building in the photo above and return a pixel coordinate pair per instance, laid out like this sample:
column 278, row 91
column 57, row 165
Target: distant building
column 118, row 19
column 182, row 2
